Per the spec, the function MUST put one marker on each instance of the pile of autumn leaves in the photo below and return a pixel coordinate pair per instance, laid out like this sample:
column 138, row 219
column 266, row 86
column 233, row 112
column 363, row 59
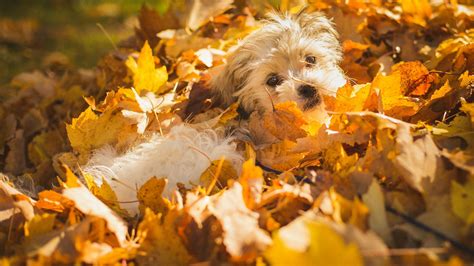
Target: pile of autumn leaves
column 404, row 140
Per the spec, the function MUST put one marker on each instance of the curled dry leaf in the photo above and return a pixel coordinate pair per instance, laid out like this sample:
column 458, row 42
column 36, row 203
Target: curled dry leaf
column 284, row 122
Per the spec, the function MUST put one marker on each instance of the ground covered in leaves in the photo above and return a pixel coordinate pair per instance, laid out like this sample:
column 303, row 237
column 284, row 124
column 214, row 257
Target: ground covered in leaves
column 389, row 179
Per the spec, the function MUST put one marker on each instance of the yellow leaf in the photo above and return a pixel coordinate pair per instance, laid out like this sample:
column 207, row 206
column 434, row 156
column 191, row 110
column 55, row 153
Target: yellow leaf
column 229, row 114
column 453, row 135
column 40, row 224
column 218, row 173
column 393, row 101
column 418, row 9
column 324, row 247
column 90, row 131
column 462, row 200
column 445, row 89
column 71, row 178
column 349, row 99
column 468, row 108
column 347, row 211
column 104, row 192
column 150, row 196
column 145, row 75
column 337, row 159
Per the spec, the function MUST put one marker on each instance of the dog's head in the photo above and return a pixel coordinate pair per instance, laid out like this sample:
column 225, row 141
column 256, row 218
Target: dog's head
column 291, row 58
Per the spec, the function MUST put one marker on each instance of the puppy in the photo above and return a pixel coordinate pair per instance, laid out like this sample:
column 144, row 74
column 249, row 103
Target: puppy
column 291, row 58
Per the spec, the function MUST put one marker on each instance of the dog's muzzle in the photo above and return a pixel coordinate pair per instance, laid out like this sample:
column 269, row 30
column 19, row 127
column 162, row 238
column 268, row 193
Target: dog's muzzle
column 310, row 94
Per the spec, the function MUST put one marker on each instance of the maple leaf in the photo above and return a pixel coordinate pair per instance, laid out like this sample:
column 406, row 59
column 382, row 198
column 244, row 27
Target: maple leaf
column 145, row 75
column 394, row 103
column 91, row 131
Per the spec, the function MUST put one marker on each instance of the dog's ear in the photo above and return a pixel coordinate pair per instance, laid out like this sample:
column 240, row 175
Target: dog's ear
column 318, row 26
column 316, row 23
column 230, row 77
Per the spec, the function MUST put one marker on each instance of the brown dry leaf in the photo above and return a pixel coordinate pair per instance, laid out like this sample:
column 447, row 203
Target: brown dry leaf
column 151, row 23
column 281, row 156
column 15, row 160
column 203, row 10
column 284, row 122
column 243, row 238
column 12, row 198
column 285, row 202
column 439, row 216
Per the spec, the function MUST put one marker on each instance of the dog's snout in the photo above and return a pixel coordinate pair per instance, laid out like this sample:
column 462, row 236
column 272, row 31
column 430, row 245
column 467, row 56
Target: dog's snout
column 307, row 91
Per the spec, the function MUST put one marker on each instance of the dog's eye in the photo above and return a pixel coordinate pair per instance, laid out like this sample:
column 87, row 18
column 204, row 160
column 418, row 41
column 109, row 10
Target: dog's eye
column 274, row 80
column 310, row 59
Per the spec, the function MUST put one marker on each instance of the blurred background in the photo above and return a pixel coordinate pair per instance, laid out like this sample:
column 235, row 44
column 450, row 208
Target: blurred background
column 33, row 32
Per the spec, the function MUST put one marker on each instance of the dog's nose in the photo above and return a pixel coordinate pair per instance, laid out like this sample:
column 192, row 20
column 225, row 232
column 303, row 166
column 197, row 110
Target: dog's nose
column 306, row 91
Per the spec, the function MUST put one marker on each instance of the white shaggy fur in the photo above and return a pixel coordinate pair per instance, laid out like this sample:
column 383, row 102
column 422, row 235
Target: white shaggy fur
column 281, row 47
column 178, row 156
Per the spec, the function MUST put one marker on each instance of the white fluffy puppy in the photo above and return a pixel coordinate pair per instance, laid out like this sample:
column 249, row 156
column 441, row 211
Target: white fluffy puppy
column 291, row 58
